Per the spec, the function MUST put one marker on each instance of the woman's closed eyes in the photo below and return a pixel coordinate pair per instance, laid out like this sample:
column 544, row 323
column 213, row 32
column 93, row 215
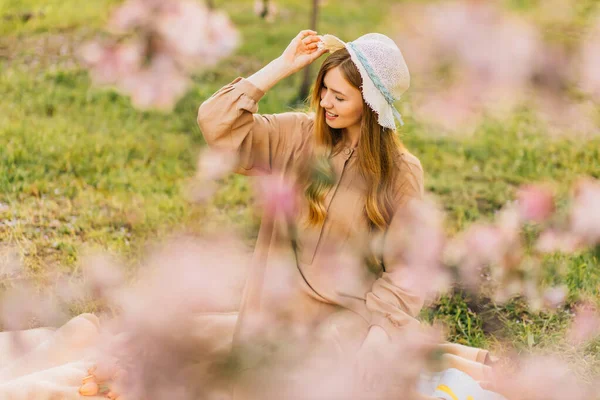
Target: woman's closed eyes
column 337, row 98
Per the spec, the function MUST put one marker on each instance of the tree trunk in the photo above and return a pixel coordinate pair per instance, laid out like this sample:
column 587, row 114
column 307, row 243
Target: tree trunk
column 265, row 10
column 306, row 81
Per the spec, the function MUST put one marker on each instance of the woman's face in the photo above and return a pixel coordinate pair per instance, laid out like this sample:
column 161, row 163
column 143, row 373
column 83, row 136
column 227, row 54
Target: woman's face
column 341, row 99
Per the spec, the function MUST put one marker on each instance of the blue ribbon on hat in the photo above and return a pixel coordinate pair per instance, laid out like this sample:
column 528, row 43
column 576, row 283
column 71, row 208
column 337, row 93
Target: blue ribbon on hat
column 386, row 94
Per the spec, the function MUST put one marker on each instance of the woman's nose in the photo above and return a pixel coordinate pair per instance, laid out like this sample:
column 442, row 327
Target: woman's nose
column 325, row 103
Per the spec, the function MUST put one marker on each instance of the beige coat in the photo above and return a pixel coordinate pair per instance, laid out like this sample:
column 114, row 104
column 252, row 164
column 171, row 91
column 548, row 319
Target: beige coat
column 349, row 296
column 275, row 144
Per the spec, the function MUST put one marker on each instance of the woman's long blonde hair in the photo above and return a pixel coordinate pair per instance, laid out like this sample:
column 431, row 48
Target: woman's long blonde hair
column 378, row 152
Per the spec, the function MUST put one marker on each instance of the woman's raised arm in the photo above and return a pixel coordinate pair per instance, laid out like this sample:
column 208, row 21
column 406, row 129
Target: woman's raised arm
column 228, row 119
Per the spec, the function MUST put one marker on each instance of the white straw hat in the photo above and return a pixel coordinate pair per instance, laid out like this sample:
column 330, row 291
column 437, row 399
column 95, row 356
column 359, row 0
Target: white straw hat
column 384, row 72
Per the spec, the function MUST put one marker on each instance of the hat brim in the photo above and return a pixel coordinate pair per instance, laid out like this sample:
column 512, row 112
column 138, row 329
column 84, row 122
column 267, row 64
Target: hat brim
column 373, row 96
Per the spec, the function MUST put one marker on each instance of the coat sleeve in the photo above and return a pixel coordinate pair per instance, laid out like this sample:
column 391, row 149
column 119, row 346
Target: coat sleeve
column 392, row 302
column 228, row 121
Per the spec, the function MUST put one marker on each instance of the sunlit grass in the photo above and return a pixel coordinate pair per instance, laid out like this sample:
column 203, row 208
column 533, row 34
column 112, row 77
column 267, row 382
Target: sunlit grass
column 80, row 167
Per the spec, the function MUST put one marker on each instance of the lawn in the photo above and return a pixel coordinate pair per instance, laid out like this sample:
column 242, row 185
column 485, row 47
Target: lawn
column 80, row 168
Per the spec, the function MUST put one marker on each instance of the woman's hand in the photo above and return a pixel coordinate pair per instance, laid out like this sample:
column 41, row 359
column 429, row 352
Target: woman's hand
column 302, row 51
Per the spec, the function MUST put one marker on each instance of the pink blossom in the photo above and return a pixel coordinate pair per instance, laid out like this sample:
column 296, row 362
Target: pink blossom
column 535, row 203
column 215, row 164
column 102, row 274
column 498, row 247
column 475, row 248
column 585, row 211
column 459, row 36
column 175, row 318
column 509, row 222
column 486, row 241
column 199, row 191
column 182, row 273
column 130, row 15
column 70, row 290
column 450, row 109
column 552, row 240
column 170, row 40
column 555, row 297
column 563, row 116
column 420, row 246
column 23, row 307
column 195, row 35
column 159, row 85
column 110, row 63
column 538, row 378
column 507, row 68
column 590, row 62
column 339, row 268
column 459, row 81
column 277, row 196
column 222, row 38
column 585, row 325
column 184, row 26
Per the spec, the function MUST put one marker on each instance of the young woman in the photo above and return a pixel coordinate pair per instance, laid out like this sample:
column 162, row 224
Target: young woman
column 350, row 292
column 373, row 178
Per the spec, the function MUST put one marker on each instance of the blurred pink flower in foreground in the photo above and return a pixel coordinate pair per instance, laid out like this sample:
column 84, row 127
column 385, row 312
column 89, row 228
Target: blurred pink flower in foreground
column 472, row 59
column 535, row 203
column 175, row 320
column 585, row 211
column 455, row 39
column 23, row 307
column 277, row 196
column 110, row 63
column 555, row 297
column 590, row 62
column 166, row 341
column 213, row 165
column 131, row 14
column 585, row 325
column 171, row 40
column 103, row 275
column 193, row 274
column 159, row 85
column 420, row 246
column 472, row 250
column 551, row 241
column 539, row 378
column 194, row 35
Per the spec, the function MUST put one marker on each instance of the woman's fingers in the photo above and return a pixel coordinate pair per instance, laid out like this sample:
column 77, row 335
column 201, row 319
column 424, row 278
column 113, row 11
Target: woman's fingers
column 306, row 32
column 311, row 39
column 310, row 44
column 316, row 54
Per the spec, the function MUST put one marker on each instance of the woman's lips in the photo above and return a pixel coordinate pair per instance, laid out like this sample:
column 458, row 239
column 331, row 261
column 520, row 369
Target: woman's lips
column 329, row 117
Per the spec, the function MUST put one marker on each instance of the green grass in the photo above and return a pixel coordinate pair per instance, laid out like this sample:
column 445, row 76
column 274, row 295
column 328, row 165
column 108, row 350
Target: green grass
column 24, row 17
column 79, row 167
